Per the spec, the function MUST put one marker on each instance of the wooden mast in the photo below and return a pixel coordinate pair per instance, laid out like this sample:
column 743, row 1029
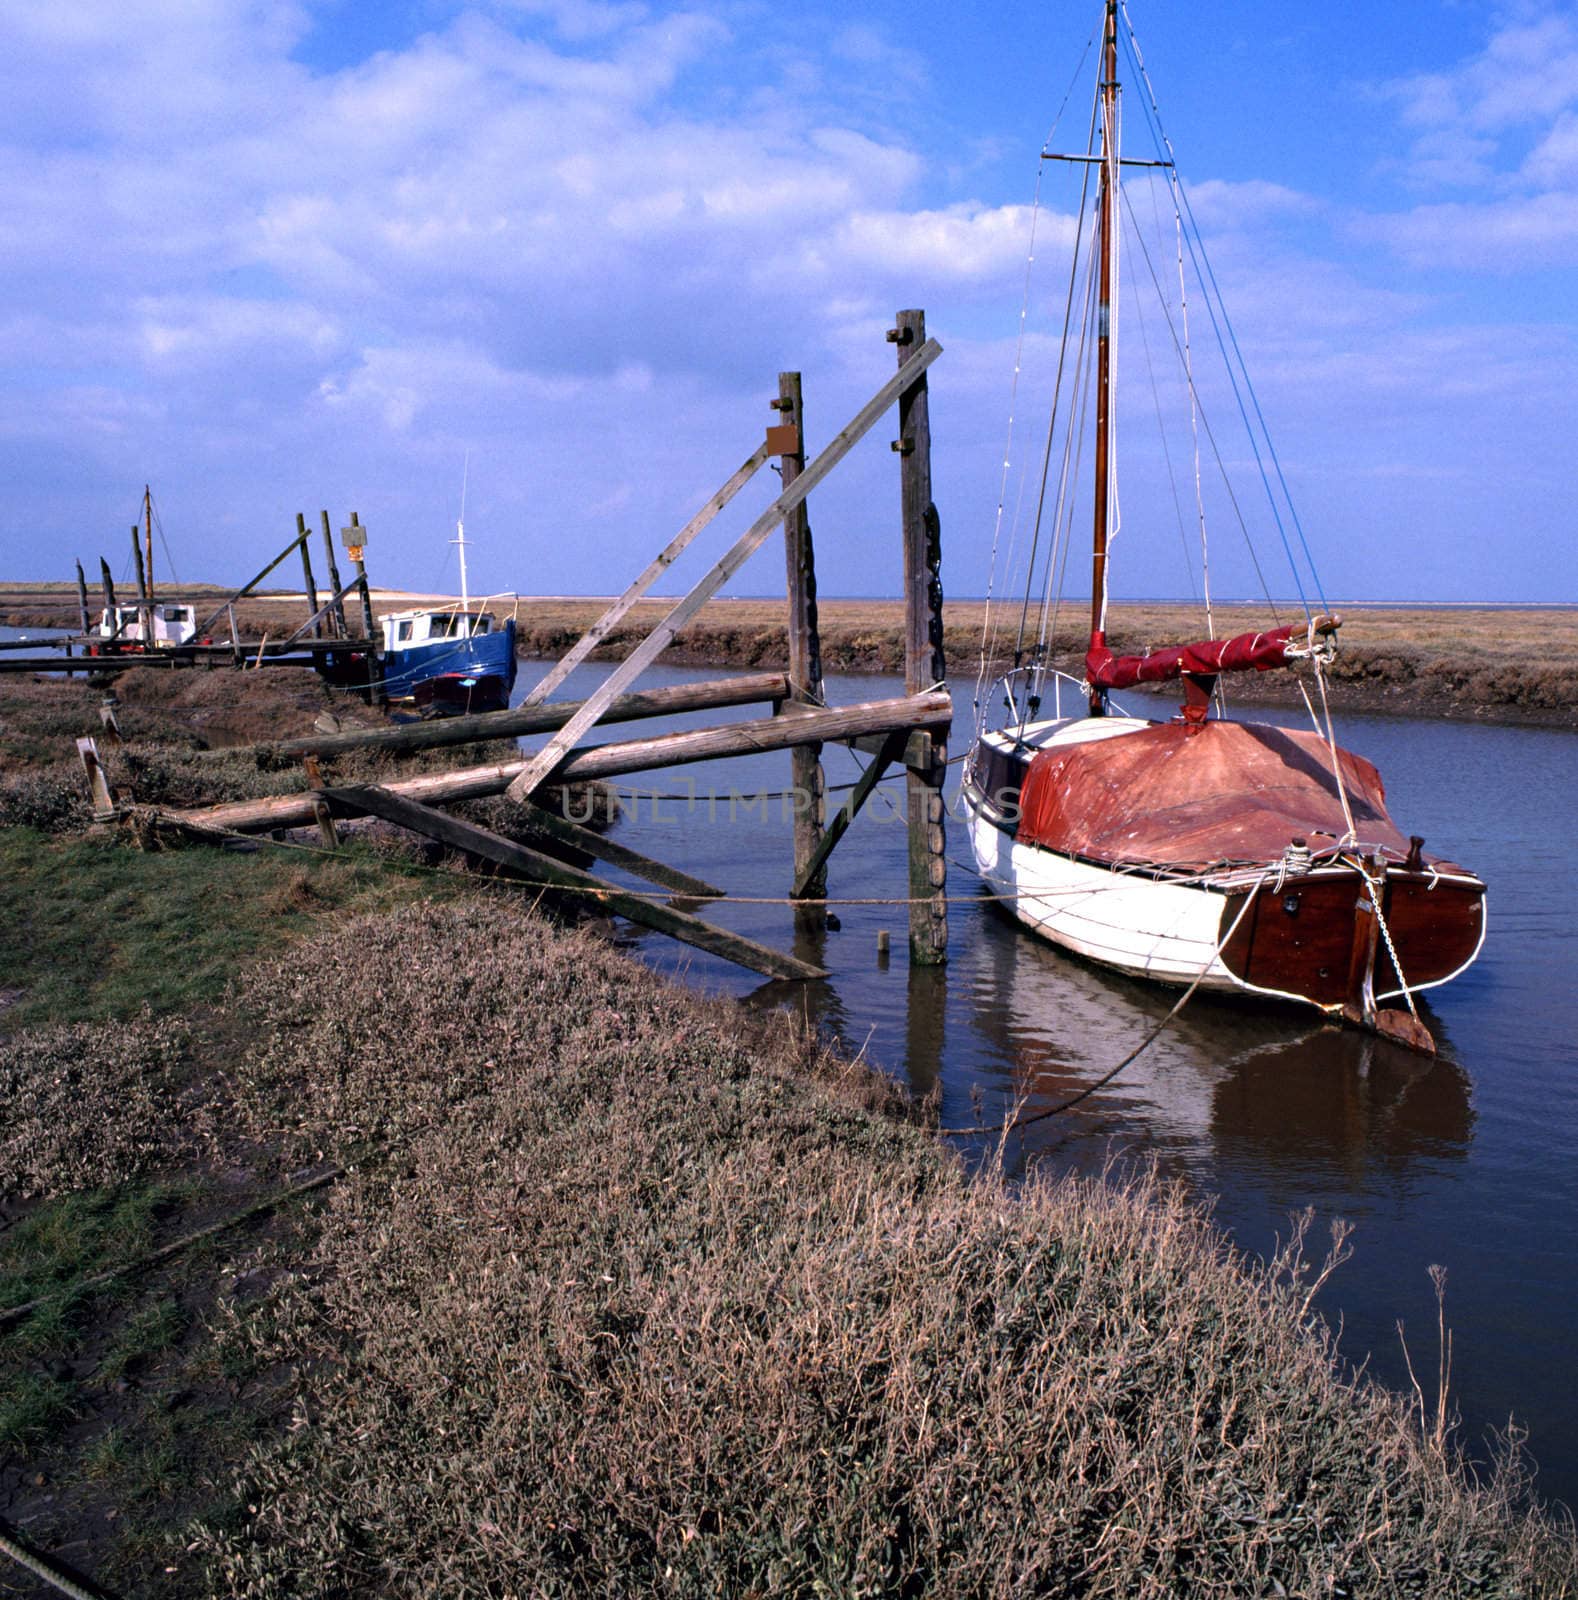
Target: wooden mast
column 147, row 523
column 1106, row 211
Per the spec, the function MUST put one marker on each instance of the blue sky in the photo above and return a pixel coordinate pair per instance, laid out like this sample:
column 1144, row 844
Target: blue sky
column 276, row 257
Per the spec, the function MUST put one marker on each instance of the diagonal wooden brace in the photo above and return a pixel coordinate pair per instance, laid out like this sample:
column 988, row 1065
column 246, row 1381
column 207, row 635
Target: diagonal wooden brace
column 532, row 865
column 540, row 764
column 891, row 750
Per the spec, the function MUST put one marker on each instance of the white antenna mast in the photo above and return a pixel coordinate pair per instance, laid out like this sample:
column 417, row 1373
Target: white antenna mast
column 460, row 534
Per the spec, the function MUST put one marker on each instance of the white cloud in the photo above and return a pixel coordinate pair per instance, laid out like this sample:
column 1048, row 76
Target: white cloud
column 580, row 239
column 1503, row 125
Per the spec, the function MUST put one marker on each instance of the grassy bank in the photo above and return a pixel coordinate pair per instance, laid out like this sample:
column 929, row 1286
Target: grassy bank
column 620, row 1295
column 1515, row 666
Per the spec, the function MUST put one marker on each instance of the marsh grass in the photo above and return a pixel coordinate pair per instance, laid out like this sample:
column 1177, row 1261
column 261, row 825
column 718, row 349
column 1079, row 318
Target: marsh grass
column 97, row 931
column 642, row 1304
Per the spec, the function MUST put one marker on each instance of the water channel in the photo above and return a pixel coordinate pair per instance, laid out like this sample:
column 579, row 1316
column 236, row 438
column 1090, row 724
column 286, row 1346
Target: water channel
column 1469, row 1160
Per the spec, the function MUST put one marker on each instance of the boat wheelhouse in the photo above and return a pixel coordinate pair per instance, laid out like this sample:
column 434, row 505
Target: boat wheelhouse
column 448, row 658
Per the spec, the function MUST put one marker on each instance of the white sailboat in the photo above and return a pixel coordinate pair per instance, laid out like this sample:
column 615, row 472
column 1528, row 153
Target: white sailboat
column 1236, row 855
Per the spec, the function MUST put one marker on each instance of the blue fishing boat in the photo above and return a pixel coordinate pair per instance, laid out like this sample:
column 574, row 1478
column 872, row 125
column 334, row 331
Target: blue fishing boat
column 441, row 660
column 448, row 659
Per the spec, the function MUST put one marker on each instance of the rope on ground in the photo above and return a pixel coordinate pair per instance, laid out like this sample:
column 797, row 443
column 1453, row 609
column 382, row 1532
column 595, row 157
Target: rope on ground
column 596, row 891
column 175, row 1246
column 42, row 1567
column 1014, row 1123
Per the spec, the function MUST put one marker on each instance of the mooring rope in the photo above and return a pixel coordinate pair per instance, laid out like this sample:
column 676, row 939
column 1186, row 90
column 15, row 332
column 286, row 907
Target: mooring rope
column 1377, row 886
column 1013, row 1124
column 153, row 815
column 1318, row 652
column 42, row 1567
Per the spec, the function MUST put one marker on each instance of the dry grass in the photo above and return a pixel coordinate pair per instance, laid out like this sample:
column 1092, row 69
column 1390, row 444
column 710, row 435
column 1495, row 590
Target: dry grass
column 636, row 1305
column 91, row 1104
column 1507, row 664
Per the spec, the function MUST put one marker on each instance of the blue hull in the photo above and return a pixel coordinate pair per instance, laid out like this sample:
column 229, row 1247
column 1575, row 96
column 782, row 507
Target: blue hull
column 473, row 674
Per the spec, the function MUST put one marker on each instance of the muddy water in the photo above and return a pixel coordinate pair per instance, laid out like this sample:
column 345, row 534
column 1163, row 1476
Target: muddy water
column 1469, row 1161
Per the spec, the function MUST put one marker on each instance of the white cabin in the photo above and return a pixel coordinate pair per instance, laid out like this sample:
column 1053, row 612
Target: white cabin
column 172, row 625
column 406, row 630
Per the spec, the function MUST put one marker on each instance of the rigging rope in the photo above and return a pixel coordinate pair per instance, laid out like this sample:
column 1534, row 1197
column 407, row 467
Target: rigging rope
column 990, row 628
column 1057, row 392
column 1216, row 449
column 1208, row 282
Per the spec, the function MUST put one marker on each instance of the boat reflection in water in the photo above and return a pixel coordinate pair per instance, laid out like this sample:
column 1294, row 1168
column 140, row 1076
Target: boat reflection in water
column 1240, row 1087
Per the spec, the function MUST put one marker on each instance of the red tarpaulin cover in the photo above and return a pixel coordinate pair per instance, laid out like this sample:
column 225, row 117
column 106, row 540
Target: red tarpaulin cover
column 1258, row 650
column 1180, row 797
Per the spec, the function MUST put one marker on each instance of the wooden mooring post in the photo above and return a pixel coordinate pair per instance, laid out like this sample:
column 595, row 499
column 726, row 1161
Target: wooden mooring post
column 808, row 784
column 339, row 592
column 925, row 666
column 306, row 577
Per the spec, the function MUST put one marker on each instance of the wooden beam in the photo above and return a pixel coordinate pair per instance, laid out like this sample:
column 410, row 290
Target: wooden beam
column 811, row 880
column 326, row 830
column 102, row 800
column 313, row 613
column 712, row 695
column 538, row 868
column 340, row 630
column 606, row 760
column 332, row 605
column 617, row 855
column 548, row 758
column 660, row 564
column 916, row 752
column 805, row 650
column 246, row 588
column 144, row 597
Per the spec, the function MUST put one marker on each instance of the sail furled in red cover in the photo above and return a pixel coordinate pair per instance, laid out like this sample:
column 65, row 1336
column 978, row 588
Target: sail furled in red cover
column 1246, row 651
column 1229, row 791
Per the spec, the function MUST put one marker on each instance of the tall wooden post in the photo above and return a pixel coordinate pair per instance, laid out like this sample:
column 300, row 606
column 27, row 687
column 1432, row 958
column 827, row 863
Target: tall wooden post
column 144, row 599
column 355, row 543
column 110, row 605
column 338, row 613
column 82, row 600
column 924, row 664
column 809, row 786
column 306, row 573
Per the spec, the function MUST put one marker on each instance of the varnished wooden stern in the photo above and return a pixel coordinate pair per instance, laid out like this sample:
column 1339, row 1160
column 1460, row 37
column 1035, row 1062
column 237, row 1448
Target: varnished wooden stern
column 1299, row 941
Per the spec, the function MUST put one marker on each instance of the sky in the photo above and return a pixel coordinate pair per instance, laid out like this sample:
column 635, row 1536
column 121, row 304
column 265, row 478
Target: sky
column 277, row 256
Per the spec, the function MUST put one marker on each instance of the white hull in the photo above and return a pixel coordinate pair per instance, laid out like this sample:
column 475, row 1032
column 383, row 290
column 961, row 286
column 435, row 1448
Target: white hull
column 1166, row 931
column 1153, row 930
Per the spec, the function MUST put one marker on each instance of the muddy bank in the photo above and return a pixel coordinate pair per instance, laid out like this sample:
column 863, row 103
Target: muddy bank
column 1491, row 665
column 1505, row 666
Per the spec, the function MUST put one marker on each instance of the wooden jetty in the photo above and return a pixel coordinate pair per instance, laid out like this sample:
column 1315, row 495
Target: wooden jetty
column 909, row 731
